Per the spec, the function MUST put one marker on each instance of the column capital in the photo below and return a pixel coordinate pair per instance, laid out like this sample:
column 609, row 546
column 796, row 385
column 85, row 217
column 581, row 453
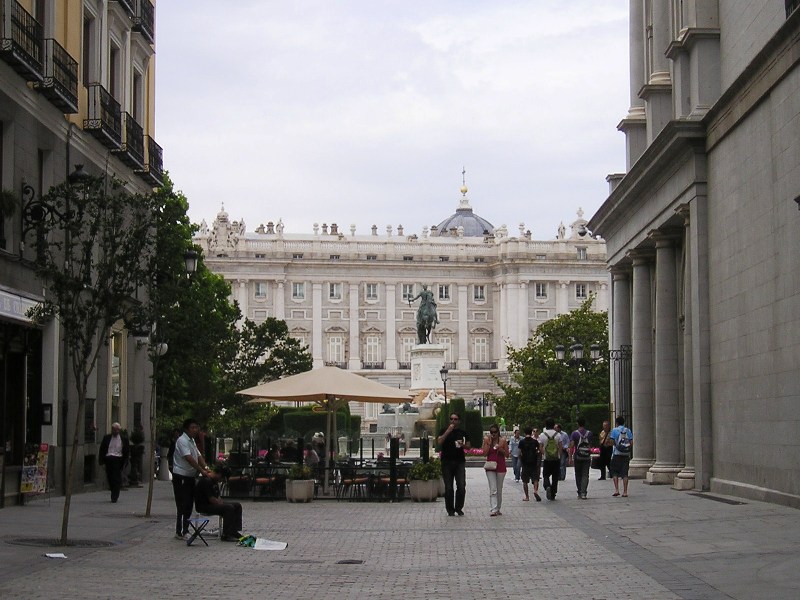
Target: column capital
column 620, row 271
column 641, row 256
column 684, row 211
column 665, row 237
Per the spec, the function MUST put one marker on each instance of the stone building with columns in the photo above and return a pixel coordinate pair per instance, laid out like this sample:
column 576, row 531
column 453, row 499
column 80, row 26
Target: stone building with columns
column 346, row 295
column 702, row 242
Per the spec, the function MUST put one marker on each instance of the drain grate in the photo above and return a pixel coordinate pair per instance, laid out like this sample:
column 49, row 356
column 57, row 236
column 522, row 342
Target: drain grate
column 717, row 498
column 53, row 543
column 350, row 561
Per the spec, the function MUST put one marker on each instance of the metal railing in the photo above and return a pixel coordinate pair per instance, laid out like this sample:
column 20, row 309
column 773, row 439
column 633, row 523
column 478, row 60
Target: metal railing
column 144, row 20
column 153, row 171
column 21, row 42
column 131, row 152
column 128, row 5
column 332, row 363
column 371, row 365
column 483, row 366
column 104, row 117
column 60, row 83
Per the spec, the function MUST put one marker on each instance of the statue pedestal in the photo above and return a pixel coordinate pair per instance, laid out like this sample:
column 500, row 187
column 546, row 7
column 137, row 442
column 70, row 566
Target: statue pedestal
column 426, row 361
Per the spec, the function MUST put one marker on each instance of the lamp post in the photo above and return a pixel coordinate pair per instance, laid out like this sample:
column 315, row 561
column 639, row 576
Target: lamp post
column 576, row 360
column 443, row 373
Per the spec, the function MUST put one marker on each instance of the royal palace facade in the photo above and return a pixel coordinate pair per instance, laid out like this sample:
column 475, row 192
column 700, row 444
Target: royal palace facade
column 347, row 294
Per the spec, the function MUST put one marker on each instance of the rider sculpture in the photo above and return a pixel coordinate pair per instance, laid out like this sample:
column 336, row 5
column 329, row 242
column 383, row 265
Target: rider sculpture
column 427, row 317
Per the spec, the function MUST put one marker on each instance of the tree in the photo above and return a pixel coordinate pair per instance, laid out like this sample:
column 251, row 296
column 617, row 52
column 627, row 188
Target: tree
column 256, row 353
column 91, row 237
column 541, row 386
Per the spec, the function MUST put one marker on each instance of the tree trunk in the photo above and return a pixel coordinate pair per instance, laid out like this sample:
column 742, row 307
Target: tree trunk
column 71, row 468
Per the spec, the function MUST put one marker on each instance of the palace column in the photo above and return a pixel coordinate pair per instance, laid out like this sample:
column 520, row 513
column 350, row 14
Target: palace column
column 641, row 417
column 667, row 391
column 562, row 298
column 462, row 358
column 354, row 361
column 620, row 323
column 523, row 323
column 391, row 327
column 278, row 301
column 316, row 325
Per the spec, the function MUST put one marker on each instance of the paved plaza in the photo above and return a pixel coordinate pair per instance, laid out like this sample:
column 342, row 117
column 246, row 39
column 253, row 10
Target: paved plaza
column 658, row 543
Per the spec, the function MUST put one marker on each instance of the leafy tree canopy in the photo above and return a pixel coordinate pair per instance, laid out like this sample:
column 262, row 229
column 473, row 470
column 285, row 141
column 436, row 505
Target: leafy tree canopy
column 541, row 386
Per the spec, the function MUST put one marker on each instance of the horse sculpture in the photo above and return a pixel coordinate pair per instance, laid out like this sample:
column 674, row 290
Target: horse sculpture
column 427, row 317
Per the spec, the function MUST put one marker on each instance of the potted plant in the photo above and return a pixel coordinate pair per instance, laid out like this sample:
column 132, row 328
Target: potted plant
column 299, row 484
column 424, row 480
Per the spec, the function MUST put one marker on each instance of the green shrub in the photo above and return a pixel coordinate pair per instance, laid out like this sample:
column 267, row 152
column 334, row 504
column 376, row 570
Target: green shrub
column 299, row 472
column 426, row 471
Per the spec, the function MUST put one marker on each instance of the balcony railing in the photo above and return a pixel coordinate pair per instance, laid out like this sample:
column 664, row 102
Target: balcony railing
column 60, row 82
column 483, row 366
column 371, row 365
column 144, row 20
column 332, row 363
column 153, row 172
column 128, row 5
column 404, row 366
column 21, row 41
column 450, row 366
column 105, row 117
column 131, row 152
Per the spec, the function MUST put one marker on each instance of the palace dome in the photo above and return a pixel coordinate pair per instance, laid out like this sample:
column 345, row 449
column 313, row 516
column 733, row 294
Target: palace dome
column 474, row 225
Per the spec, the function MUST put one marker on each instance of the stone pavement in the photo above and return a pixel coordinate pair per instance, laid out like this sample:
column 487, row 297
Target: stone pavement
column 658, row 543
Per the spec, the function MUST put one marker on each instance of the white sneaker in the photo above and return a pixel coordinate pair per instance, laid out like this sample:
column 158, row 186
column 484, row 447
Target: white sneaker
column 179, row 536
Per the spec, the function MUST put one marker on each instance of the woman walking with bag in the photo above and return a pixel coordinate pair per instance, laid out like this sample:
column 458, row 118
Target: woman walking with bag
column 495, row 449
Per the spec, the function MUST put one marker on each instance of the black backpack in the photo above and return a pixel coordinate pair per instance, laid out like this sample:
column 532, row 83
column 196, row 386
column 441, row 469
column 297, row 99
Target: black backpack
column 582, row 450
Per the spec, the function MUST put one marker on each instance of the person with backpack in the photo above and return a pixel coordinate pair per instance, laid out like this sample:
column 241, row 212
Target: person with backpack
column 529, row 459
column 580, row 446
column 551, row 448
column 621, row 456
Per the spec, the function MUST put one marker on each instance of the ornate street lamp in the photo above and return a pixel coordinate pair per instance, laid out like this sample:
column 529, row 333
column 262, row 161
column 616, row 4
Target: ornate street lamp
column 576, row 360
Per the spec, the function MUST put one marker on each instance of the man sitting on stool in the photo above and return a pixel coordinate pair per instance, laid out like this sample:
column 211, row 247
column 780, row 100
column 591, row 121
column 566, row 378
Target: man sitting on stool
column 207, row 500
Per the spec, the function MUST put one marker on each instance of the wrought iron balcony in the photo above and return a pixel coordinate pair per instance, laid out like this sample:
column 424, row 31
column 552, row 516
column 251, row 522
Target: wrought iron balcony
column 144, row 20
column 404, row 366
column 333, row 363
column 483, row 366
column 105, row 117
column 153, row 172
column 371, row 365
column 128, row 6
column 131, row 152
column 21, row 41
column 60, row 82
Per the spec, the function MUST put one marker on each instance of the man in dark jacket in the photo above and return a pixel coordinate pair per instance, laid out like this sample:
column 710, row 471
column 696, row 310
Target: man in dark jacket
column 114, row 452
column 207, row 500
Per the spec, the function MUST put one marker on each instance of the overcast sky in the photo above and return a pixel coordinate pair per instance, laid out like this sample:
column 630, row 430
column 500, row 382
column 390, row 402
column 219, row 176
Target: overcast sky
column 364, row 111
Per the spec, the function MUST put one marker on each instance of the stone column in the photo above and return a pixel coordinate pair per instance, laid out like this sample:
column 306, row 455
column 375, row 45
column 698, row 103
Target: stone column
column 523, row 327
column 562, row 298
column 685, row 479
column 657, row 93
column 354, row 361
column 512, row 314
column 278, row 301
column 634, row 125
column 641, row 417
column 316, row 325
column 244, row 300
column 391, row 327
column 497, row 322
column 620, row 319
column 667, row 417
column 601, row 303
column 462, row 358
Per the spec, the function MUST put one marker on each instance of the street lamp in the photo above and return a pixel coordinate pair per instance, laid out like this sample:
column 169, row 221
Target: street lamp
column 576, row 360
column 190, row 258
column 443, row 372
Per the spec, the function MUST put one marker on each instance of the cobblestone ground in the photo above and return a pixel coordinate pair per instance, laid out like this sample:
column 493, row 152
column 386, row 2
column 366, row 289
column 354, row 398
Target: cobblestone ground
column 659, row 543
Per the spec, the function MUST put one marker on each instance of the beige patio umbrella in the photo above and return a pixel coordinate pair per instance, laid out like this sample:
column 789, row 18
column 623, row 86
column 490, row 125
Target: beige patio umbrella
column 328, row 386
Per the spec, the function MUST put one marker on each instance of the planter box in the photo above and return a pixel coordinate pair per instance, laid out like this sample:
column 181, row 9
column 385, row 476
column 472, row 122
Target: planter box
column 300, row 490
column 423, row 491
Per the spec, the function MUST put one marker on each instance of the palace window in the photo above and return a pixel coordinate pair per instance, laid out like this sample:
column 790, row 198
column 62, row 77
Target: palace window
column 408, row 291
column 480, row 349
column 372, row 291
column 444, row 291
column 580, row 291
column 541, row 291
column 298, row 291
column 372, row 349
column 261, row 289
column 335, row 291
column 479, row 293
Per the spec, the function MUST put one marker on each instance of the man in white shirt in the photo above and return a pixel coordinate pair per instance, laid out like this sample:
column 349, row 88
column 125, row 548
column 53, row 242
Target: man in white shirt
column 188, row 463
column 564, row 437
